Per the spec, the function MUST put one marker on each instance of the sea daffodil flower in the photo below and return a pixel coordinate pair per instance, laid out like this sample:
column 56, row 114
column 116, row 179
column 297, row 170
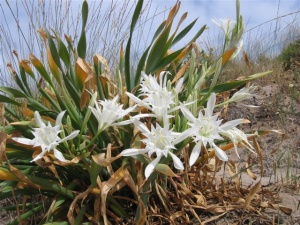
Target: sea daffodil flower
column 205, row 129
column 109, row 112
column 158, row 140
column 238, row 137
column 47, row 137
column 226, row 25
column 158, row 98
column 243, row 94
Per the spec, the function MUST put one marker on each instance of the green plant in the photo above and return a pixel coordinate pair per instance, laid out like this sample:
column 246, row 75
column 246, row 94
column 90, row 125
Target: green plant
column 90, row 165
column 290, row 54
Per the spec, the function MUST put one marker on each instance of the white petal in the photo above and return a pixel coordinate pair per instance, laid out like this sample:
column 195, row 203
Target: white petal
column 140, row 126
column 137, row 100
column 220, row 153
column 177, row 162
column 179, row 85
column 71, row 136
column 184, row 135
column 230, row 124
column 24, row 141
column 187, row 113
column 38, row 119
column 122, row 123
column 210, row 105
column 132, row 152
column 149, row 169
column 59, row 155
column 59, row 118
column 39, row 156
column 195, row 153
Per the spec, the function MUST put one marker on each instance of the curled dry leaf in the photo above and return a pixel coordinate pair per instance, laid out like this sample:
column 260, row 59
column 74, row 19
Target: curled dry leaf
column 251, row 195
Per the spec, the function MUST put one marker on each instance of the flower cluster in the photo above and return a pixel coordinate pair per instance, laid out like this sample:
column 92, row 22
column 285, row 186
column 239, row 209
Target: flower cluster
column 159, row 139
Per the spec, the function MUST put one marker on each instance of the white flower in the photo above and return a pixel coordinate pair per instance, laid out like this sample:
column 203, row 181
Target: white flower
column 237, row 136
column 47, row 137
column 206, row 129
column 243, row 94
column 109, row 113
column 160, row 141
column 226, row 25
column 158, row 98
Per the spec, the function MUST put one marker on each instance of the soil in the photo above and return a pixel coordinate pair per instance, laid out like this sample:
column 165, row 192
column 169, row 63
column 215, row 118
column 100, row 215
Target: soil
column 279, row 111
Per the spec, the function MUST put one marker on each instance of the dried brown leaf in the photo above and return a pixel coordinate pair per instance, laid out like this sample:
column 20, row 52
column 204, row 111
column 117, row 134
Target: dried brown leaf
column 251, row 195
column 102, row 161
column 106, row 187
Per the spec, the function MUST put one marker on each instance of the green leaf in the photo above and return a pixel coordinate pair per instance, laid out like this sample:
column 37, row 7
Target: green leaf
column 13, row 92
column 9, row 100
column 24, row 80
column 142, row 61
column 81, row 47
column 136, row 15
column 27, row 214
column 166, row 60
column 53, row 50
column 156, row 52
column 197, row 35
column 233, row 84
column 40, row 68
column 128, row 76
column 84, row 13
column 63, row 52
column 183, row 33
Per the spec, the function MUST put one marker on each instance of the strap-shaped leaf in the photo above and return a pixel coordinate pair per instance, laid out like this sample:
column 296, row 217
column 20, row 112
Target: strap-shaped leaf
column 183, row 33
column 81, row 47
column 53, row 50
column 8, row 100
column 13, row 92
column 158, row 50
column 40, row 68
column 142, row 61
column 166, row 60
column 128, row 77
column 63, row 52
column 233, row 84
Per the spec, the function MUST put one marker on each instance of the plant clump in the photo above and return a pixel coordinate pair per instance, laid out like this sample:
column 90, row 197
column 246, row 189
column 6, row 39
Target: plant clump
column 139, row 146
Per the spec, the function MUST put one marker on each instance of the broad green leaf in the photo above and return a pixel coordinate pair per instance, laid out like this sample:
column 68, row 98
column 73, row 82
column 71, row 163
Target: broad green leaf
column 142, row 61
column 40, row 67
column 13, row 92
column 26, row 215
column 24, row 80
column 197, row 35
column 53, row 50
column 27, row 68
column 183, row 33
column 53, row 59
column 156, row 52
column 128, row 76
column 50, row 99
column 136, row 15
column 16, row 78
column 9, row 100
column 81, row 47
column 166, row 60
column 63, row 52
column 233, row 84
